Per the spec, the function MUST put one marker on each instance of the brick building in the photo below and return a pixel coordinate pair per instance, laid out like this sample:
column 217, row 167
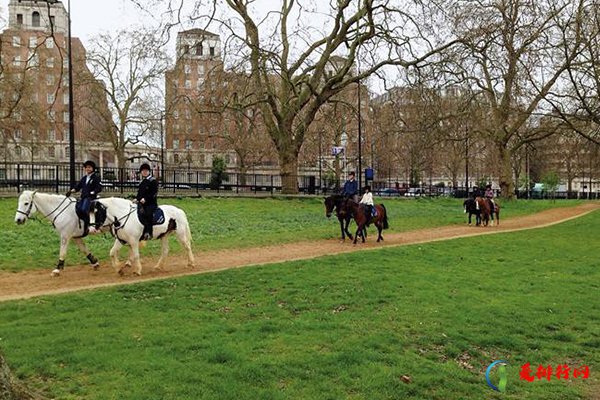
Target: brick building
column 34, row 93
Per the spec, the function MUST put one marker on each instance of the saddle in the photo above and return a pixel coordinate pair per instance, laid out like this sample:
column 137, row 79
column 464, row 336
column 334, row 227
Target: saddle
column 158, row 218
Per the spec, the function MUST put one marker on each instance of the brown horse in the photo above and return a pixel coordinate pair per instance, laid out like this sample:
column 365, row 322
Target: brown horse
column 484, row 209
column 494, row 210
column 362, row 219
column 337, row 202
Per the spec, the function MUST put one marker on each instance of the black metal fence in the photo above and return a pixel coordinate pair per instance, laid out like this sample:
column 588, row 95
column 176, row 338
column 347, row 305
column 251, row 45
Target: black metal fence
column 15, row 177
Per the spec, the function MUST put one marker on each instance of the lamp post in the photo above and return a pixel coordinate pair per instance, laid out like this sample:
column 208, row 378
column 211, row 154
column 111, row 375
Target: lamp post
column 71, row 119
column 344, row 143
column 320, row 160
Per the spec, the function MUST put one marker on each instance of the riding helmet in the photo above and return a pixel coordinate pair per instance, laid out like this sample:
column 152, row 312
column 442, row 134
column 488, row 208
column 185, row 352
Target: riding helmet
column 145, row 166
column 90, row 163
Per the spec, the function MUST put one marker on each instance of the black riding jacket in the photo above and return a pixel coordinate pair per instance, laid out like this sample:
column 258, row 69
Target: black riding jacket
column 89, row 190
column 148, row 190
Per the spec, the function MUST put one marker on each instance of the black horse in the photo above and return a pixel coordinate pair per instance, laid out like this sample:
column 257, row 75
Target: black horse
column 470, row 206
column 338, row 202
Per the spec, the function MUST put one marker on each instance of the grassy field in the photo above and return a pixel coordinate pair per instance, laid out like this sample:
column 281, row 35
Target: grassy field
column 232, row 223
column 343, row 327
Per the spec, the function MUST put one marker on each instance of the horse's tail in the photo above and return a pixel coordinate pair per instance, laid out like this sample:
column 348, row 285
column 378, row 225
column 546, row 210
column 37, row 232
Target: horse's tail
column 385, row 220
column 188, row 231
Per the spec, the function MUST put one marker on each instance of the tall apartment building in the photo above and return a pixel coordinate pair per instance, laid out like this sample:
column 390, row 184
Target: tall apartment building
column 34, row 93
column 194, row 92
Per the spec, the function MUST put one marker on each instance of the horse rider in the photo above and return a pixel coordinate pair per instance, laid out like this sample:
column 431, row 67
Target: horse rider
column 489, row 195
column 475, row 194
column 350, row 190
column 90, row 186
column 147, row 199
column 367, row 201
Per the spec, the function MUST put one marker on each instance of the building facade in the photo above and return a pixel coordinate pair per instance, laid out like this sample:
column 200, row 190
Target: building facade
column 34, row 90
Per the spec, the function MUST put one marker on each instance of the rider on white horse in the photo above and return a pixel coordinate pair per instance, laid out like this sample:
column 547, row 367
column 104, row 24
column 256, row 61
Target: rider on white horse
column 147, row 200
column 89, row 186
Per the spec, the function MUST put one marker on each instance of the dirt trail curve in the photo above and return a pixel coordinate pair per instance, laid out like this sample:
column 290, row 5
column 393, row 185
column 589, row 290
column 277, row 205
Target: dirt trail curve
column 36, row 283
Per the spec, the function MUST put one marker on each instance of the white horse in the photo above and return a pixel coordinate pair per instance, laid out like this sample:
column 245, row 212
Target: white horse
column 60, row 210
column 120, row 215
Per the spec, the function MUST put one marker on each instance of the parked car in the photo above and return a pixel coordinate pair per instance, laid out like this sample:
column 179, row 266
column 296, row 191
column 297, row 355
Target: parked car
column 387, row 192
column 414, row 192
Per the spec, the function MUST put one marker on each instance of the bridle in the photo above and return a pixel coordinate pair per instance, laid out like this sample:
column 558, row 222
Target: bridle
column 29, row 208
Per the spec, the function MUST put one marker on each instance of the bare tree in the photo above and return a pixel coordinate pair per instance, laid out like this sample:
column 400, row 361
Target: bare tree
column 132, row 65
column 515, row 54
column 288, row 61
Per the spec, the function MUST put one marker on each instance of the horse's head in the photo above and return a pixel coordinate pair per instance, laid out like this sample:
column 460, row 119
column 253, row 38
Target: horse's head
column 329, row 205
column 98, row 215
column 26, row 207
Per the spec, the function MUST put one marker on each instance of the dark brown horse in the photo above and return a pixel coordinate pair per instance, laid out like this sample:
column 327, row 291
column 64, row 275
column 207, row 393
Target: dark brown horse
column 364, row 219
column 337, row 202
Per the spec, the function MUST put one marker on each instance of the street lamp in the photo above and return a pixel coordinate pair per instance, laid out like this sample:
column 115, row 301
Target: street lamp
column 344, row 143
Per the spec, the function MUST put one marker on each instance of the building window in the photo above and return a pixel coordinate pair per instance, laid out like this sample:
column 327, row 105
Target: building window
column 18, row 116
column 52, row 115
column 18, row 134
column 51, row 135
column 35, row 19
column 202, row 145
column 16, row 41
column 50, row 62
column 50, row 98
column 20, row 19
column 49, row 80
column 188, row 144
column 187, row 69
column 66, row 98
column 175, row 144
column 212, row 51
column 17, row 61
column 65, row 116
column 176, row 114
column 188, row 114
column 199, row 49
column 50, row 43
column 33, row 42
column 18, row 150
column 176, row 158
column 200, row 70
column 227, row 159
column 188, row 84
column 51, row 152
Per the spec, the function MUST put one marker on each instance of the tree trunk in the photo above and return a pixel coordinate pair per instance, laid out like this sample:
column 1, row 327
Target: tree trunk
column 288, row 164
column 10, row 388
column 505, row 175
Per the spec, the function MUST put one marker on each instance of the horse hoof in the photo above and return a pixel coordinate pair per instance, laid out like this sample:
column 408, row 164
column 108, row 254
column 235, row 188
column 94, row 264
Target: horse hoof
column 121, row 272
column 55, row 272
column 96, row 266
column 137, row 273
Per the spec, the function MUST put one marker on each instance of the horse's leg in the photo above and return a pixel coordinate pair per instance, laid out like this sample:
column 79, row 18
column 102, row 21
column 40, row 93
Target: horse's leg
column 164, row 246
column 341, row 221
column 348, row 219
column 184, row 236
column 64, row 244
column 497, row 218
column 137, row 264
column 114, row 256
column 84, row 249
column 358, row 232
column 379, row 226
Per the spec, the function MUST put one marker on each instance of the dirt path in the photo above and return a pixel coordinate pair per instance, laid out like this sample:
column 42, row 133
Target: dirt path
column 36, row 283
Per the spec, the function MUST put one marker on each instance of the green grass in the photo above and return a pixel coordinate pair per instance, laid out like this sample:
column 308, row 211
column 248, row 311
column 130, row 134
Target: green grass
column 339, row 327
column 218, row 223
